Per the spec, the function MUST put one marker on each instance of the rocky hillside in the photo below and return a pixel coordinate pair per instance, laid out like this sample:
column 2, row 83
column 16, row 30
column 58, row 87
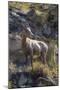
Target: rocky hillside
column 42, row 18
column 43, row 22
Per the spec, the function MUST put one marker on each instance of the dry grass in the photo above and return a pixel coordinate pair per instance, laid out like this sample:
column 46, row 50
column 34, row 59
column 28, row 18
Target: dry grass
column 37, row 66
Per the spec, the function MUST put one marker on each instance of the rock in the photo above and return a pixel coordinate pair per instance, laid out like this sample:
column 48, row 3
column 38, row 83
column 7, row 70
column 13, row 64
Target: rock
column 14, row 43
column 22, row 80
column 46, row 30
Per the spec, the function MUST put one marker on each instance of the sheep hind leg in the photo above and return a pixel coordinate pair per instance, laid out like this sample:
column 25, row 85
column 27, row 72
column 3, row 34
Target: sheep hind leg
column 43, row 57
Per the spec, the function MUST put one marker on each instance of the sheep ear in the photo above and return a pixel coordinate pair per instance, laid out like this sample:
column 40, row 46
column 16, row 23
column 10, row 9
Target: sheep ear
column 26, row 30
column 20, row 33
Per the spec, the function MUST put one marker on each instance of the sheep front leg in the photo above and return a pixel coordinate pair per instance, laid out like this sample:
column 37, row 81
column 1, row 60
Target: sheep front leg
column 44, row 58
column 31, row 56
column 32, row 62
column 26, row 57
